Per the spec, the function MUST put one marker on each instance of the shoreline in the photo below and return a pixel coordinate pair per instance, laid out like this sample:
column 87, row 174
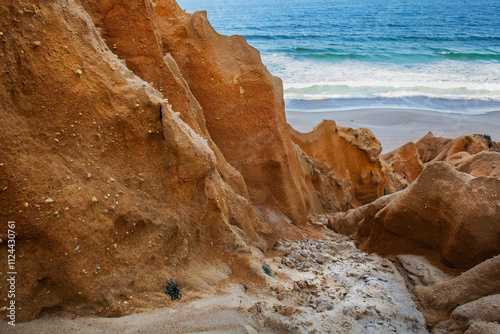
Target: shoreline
column 395, row 127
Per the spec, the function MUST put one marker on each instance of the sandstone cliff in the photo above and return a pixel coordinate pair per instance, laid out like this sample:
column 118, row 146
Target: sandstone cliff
column 243, row 106
column 114, row 188
column 352, row 155
column 138, row 144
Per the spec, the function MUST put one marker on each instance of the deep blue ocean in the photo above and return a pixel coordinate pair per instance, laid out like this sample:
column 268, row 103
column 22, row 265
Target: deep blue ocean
column 441, row 55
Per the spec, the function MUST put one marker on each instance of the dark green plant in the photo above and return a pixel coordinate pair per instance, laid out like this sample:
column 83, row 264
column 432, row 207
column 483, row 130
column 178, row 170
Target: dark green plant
column 173, row 290
column 267, row 270
column 488, row 139
column 385, row 191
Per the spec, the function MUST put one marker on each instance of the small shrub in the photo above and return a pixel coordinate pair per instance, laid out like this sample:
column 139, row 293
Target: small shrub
column 488, row 138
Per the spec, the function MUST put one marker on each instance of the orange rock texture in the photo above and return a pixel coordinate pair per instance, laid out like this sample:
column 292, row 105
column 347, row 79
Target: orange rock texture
column 113, row 191
column 139, row 145
column 410, row 159
column 243, row 106
column 405, row 161
column 481, row 164
column 443, row 212
column 431, row 148
column 350, row 154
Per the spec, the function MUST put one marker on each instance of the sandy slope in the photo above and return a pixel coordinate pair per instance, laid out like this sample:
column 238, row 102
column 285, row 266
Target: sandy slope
column 396, row 127
column 320, row 286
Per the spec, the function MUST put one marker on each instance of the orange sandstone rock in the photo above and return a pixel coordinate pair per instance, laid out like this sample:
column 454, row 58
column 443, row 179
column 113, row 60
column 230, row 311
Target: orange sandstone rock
column 431, row 148
column 405, row 161
column 451, row 213
column 353, row 155
column 112, row 190
column 481, row 164
column 243, row 106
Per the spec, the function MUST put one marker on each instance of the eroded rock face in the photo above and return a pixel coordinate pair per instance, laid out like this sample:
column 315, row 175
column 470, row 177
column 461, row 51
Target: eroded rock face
column 113, row 191
column 445, row 211
column 431, row 148
column 472, row 286
column 243, row 106
column 405, row 161
column 353, row 156
column 481, row 164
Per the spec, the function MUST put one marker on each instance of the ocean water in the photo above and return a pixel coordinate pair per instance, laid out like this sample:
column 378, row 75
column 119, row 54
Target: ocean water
column 441, row 55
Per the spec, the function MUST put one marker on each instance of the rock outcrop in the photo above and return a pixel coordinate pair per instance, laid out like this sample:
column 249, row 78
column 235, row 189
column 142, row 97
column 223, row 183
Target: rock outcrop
column 410, row 159
column 405, row 161
column 139, row 143
column 431, row 148
column 443, row 211
column 113, row 189
column 481, row 164
column 351, row 154
column 467, row 301
column 243, row 106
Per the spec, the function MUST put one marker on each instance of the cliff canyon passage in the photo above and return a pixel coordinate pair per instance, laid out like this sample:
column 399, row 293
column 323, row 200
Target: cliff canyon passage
column 138, row 145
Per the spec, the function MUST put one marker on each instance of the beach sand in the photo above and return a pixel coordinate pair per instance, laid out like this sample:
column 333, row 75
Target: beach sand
column 396, row 127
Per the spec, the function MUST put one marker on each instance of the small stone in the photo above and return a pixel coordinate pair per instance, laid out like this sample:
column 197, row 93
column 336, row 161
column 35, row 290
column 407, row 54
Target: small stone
column 250, row 329
column 3, row 309
column 37, row 43
column 26, row 204
column 57, row 140
column 287, row 262
column 79, row 72
column 49, row 200
column 89, row 175
column 94, row 199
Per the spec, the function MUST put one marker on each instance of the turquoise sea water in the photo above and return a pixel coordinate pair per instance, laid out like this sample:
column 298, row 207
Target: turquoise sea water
column 348, row 54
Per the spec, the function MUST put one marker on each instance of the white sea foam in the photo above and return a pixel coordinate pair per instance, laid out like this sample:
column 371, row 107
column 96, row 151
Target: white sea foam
column 352, row 79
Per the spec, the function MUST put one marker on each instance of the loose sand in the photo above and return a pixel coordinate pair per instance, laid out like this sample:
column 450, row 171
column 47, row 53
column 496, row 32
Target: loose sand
column 396, row 127
column 319, row 286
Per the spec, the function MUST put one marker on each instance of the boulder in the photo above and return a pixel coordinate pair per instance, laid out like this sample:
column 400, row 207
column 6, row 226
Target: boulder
column 481, row 164
column 353, row 155
column 445, row 211
column 405, row 161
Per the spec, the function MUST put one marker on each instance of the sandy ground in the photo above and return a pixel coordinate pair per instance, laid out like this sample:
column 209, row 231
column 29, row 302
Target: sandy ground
column 396, row 127
column 318, row 286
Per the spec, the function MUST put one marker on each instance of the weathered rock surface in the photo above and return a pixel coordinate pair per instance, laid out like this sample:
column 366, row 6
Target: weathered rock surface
column 348, row 223
column 481, row 164
column 243, row 106
column 481, row 281
column 351, row 154
column 431, row 148
column 443, row 211
column 405, row 161
column 112, row 190
column 421, row 271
